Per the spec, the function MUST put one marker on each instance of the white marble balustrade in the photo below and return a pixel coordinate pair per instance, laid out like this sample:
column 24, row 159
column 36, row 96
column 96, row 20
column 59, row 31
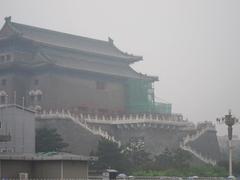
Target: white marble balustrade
column 191, row 138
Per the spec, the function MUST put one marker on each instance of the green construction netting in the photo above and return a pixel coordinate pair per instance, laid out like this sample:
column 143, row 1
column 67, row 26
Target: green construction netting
column 140, row 98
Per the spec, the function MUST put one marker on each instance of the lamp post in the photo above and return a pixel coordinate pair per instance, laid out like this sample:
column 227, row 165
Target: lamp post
column 229, row 120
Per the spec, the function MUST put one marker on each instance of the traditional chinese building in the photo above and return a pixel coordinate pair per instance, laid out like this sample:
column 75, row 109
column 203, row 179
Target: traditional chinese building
column 49, row 69
column 88, row 90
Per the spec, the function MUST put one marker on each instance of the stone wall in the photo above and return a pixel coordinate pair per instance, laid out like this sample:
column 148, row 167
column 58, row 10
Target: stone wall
column 66, row 90
column 207, row 144
column 155, row 137
column 80, row 140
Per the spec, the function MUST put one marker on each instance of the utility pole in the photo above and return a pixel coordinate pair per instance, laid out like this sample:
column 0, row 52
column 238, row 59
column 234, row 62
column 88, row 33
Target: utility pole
column 229, row 120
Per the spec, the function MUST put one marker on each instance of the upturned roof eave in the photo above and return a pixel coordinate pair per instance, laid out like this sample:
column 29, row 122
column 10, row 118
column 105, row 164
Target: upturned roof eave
column 138, row 75
column 129, row 60
column 126, row 57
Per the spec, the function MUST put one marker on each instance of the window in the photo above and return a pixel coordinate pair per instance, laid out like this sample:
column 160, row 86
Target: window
column 36, row 82
column 5, row 58
column 8, row 57
column 4, row 82
column 2, row 59
column 39, row 97
column 3, row 150
column 3, row 99
column 10, row 150
column 32, row 99
column 100, row 85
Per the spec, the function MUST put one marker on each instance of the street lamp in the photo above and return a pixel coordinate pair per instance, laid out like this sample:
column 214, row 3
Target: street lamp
column 229, row 120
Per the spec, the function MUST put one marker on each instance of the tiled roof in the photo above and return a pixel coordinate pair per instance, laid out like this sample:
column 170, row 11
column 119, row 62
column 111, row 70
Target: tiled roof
column 5, row 106
column 72, row 52
column 47, row 156
column 70, row 41
column 71, row 61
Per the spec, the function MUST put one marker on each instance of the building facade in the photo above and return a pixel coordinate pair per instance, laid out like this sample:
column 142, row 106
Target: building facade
column 62, row 71
column 17, row 130
column 39, row 166
column 86, row 89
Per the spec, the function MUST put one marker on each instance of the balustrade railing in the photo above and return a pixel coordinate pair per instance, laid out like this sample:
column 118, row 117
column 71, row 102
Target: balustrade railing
column 114, row 118
column 198, row 155
column 203, row 128
column 78, row 120
column 84, row 118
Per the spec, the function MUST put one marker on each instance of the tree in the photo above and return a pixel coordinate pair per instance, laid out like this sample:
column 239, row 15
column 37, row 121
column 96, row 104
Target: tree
column 164, row 160
column 138, row 158
column 181, row 158
column 48, row 140
column 176, row 159
column 110, row 156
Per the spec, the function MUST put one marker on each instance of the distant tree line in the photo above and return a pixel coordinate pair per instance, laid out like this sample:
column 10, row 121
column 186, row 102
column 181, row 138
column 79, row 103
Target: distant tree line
column 131, row 160
column 136, row 161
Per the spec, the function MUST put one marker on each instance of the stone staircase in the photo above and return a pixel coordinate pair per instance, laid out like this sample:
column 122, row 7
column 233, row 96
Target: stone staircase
column 86, row 121
column 76, row 119
column 191, row 138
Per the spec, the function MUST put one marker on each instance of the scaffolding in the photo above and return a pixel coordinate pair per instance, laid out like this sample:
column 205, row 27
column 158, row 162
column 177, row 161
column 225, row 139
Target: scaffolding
column 140, row 98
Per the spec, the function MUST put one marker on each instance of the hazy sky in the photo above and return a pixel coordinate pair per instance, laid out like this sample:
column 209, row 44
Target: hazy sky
column 192, row 45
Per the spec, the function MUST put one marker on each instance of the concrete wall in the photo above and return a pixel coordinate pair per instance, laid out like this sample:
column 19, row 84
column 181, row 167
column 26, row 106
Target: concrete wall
column 75, row 169
column 52, row 169
column 44, row 169
column 12, row 168
column 20, row 125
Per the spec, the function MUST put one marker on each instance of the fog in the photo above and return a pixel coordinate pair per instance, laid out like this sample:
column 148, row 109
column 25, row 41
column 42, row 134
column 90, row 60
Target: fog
column 193, row 46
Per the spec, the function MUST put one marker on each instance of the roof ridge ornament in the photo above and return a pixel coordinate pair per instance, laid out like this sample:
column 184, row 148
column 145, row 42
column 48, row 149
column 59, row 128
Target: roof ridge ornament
column 10, row 24
column 110, row 40
column 8, row 19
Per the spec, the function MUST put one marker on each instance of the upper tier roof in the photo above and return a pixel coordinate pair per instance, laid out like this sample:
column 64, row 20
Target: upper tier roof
column 69, row 41
column 75, row 62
